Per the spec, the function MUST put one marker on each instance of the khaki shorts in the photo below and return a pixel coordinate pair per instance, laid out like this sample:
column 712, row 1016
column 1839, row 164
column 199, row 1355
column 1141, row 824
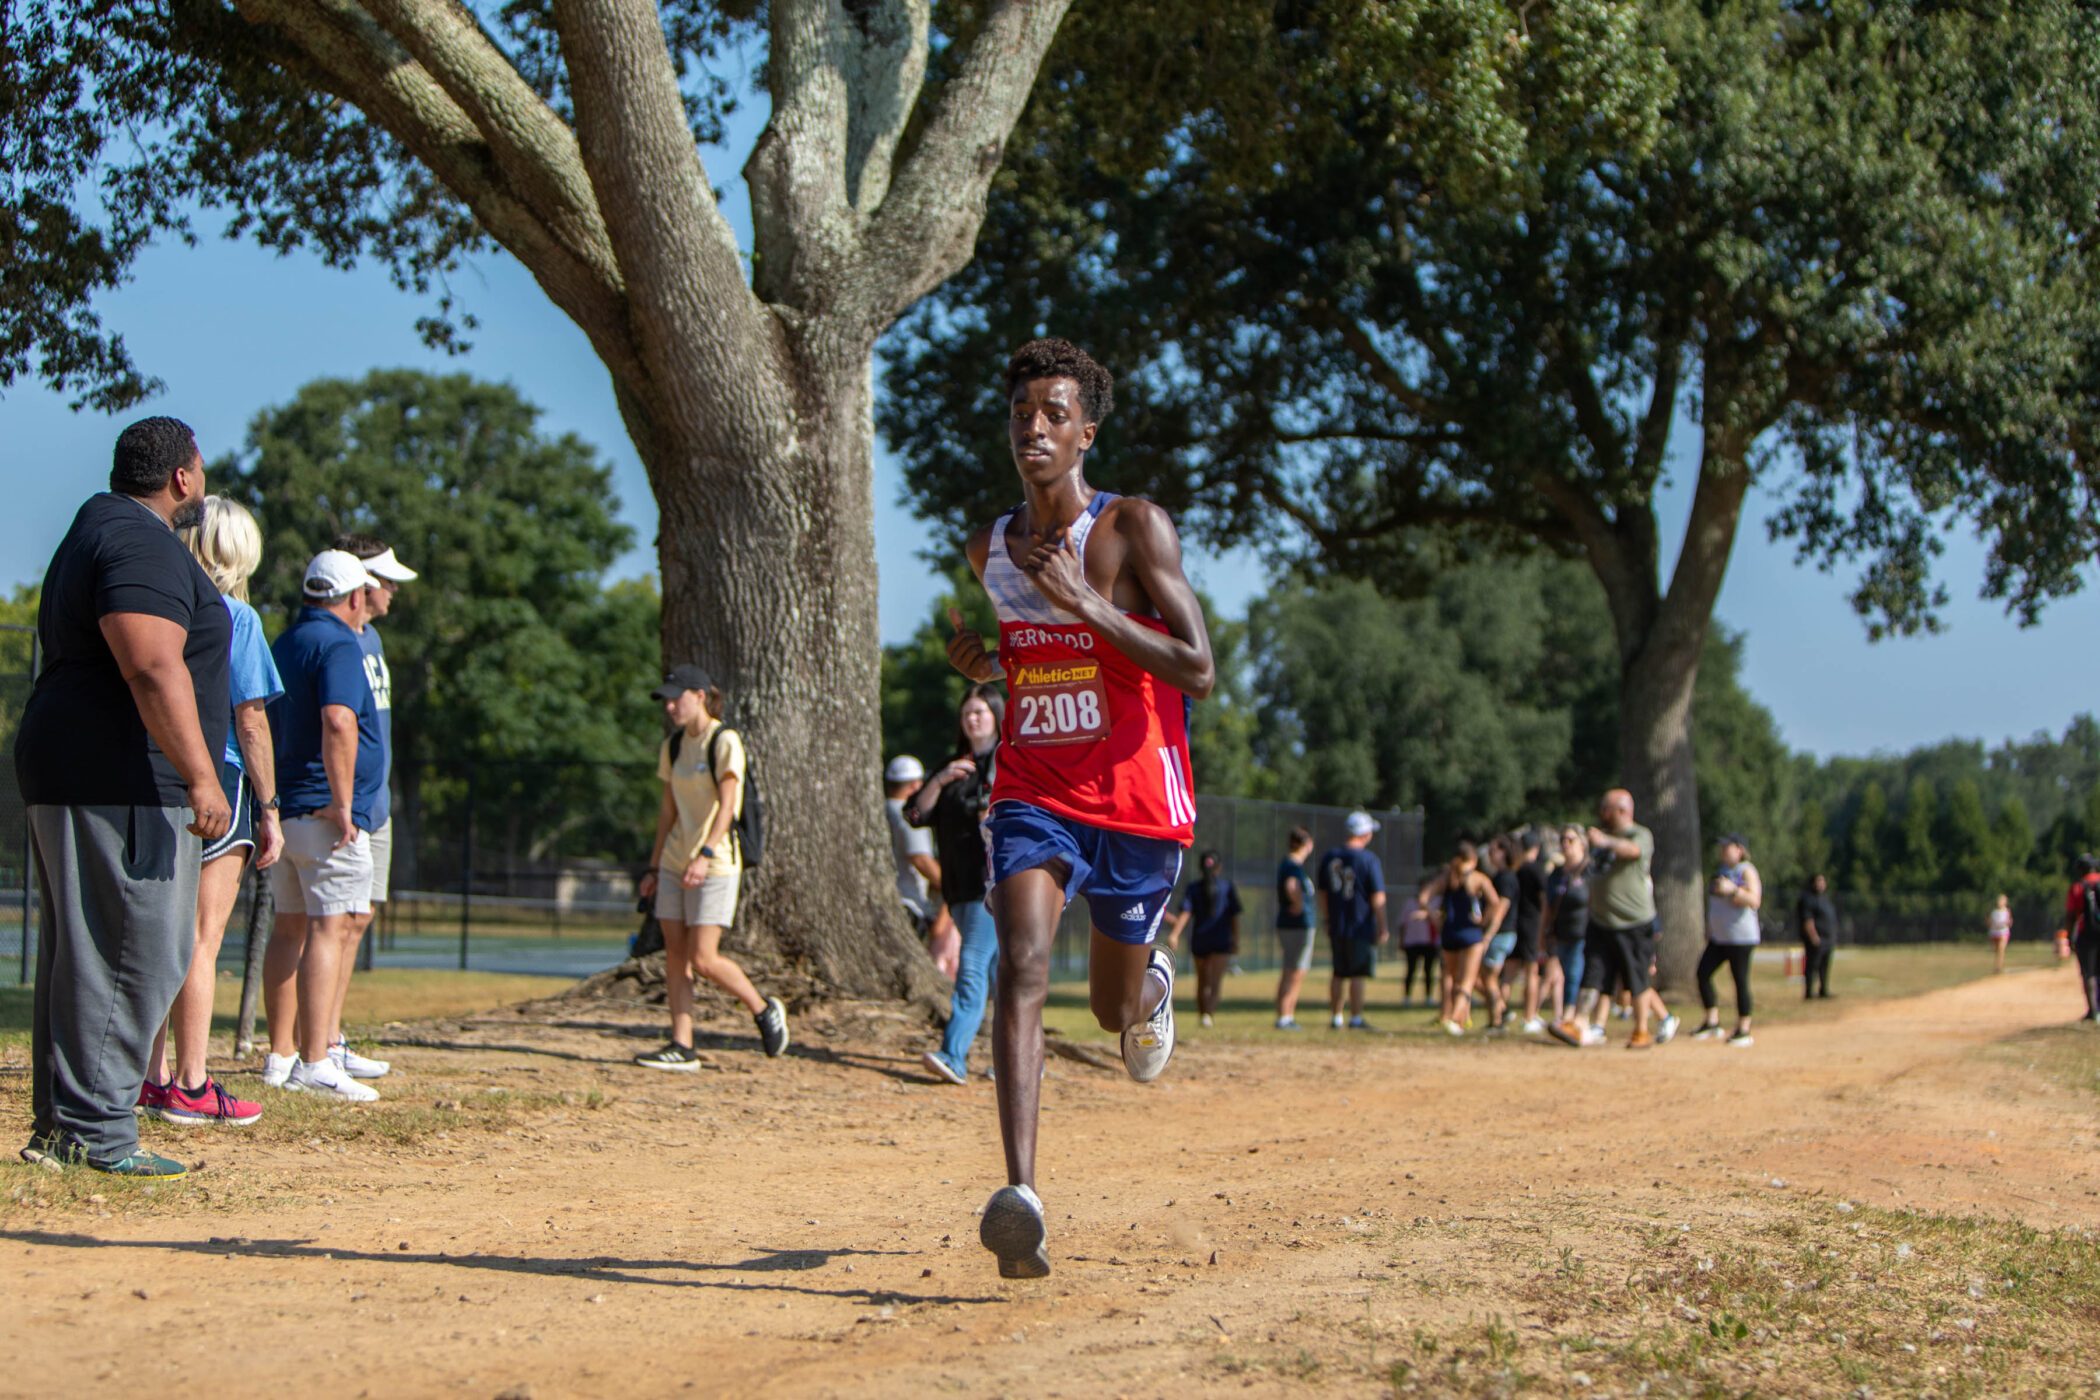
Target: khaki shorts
column 318, row 878
column 382, row 859
column 713, row 903
column 1296, row 946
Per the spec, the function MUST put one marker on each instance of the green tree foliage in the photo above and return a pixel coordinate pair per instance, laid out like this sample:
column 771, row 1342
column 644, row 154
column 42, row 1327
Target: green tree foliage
column 509, row 649
column 1914, row 861
column 2012, row 842
column 1747, row 776
column 1864, row 838
column 1812, row 849
column 17, row 612
column 1969, row 857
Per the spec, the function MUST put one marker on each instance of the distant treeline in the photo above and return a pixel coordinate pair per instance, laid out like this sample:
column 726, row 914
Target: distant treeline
column 1489, row 699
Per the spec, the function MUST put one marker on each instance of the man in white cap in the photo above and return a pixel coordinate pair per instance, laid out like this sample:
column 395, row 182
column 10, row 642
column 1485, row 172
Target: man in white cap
column 918, row 873
column 330, row 771
column 1352, row 886
column 388, row 574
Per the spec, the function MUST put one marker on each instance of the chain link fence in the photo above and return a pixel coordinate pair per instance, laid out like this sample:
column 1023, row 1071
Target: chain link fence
column 18, row 663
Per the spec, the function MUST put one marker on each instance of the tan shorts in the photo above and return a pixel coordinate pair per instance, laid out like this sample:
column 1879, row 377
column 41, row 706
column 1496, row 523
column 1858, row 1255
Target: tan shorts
column 316, row 877
column 714, row 902
column 382, row 859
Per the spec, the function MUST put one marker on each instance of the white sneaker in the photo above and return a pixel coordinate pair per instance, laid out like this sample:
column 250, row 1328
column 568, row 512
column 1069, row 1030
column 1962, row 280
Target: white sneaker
column 1534, row 1026
column 1452, row 1028
column 277, row 1069
column 1741, row 1040
column 1593, row 1035
column 327, row 1077
column 1665, row 1031
column 355, row 1065
column 1204, row 1019
column 1148, row 1045
column 1338, row 1023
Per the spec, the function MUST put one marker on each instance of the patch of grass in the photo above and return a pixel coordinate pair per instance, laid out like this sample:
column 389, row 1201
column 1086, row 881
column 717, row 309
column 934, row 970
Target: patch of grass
column 1247, row 1012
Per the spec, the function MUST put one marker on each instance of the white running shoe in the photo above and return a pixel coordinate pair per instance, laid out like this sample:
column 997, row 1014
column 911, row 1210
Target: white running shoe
column 1665, row 1031
column 1013, row 1229
column 1337, row 1022
column 1593, row 1035
column 1148, row 1045
column 1452, row 1028
column 277, row 1069
column 1741, row 1040
column 1709, row 1033
column 1534, row 1026
column 327, row 1077
column 355, row 1065
column 1204, row 1019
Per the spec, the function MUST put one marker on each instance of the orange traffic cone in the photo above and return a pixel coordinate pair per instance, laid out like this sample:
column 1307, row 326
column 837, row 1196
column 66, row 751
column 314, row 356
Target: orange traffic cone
column 2063, row 944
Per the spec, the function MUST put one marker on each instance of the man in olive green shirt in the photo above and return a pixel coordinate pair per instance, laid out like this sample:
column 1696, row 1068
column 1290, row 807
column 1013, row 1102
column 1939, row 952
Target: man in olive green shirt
column 1622, row 919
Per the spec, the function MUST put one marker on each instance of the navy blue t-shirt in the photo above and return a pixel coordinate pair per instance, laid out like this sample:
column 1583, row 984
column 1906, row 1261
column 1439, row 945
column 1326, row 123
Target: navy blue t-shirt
column 1211, row 915
column 1350, row 877
column 323, row 664
column 1286, row 872
column 81, row 742
column 382, row 682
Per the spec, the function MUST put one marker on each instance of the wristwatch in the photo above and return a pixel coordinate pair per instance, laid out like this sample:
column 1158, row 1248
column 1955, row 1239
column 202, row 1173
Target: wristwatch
column 708, row 851
column 270, row 806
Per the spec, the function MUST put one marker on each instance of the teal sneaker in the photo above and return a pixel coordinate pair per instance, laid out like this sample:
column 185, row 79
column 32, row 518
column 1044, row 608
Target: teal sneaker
column 141, row 1164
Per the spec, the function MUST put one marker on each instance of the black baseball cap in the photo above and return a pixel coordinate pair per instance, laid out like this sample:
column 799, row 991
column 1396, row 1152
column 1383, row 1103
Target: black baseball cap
column 678, row 680
column 1736, row 838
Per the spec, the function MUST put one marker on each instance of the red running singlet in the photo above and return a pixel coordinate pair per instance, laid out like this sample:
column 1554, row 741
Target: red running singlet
column 1090, row 734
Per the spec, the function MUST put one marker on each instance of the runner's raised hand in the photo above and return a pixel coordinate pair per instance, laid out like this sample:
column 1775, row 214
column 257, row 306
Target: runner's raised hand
column 966, row 651
column 1054, row 567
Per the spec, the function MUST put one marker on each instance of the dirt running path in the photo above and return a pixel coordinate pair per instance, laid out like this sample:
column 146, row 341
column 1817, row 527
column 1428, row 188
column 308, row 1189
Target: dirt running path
column 1266, row 1220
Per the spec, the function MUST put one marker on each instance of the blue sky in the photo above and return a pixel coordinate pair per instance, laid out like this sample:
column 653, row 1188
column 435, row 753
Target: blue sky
column 232, row 328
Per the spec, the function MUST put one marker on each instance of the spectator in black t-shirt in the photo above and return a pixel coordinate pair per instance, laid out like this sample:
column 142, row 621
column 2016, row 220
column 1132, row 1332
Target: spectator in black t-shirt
column 1294, row 927
column 1531, row 908
column 1495, row 967
column 1815, row 920
column 118, row 757
column 1212, row 904
column 953, row 803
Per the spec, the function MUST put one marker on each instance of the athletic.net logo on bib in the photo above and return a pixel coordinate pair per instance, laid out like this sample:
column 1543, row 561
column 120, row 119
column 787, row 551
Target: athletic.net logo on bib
column 1059, row 703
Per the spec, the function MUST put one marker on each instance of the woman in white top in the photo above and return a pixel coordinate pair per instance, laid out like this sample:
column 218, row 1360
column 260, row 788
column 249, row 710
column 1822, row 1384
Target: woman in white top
column 2001, row 930
column 696, row 865
column 1732, row 934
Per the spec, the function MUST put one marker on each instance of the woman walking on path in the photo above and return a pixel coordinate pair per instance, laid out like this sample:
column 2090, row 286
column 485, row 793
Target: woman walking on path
column 1418, row 942
column 1212, row 903
column 229, row 546
column 1732, row 935
column 1470, row 906
column 1567, row 917
column 1294, row 927
column 953, row 803
column 2001, row 931
column 697, row 863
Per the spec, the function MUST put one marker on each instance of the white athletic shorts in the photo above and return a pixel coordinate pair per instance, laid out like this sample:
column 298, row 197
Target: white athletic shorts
column 714, row 902
column 317, row 877
column 382, row 859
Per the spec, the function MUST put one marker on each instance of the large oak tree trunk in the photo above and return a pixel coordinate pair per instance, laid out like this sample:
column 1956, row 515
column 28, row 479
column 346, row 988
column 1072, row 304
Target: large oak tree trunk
column 769, row 583
column 1655, row 762
column 1661, row 635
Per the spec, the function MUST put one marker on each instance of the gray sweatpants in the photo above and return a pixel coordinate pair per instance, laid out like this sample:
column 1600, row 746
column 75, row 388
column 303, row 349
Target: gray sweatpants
column 119, row 891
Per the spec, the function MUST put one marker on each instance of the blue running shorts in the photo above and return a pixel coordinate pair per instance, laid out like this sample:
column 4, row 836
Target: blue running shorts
column 1126, row 879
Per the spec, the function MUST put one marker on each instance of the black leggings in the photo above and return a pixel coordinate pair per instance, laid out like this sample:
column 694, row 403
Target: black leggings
column 1737, row 956
column 1815, row 967
column 1425, row 958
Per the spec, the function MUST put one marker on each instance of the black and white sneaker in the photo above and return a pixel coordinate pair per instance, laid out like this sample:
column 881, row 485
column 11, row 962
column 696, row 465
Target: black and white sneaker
column 1013, row 1229
column 773, row 1027
column 1148, row 1045
column 672, row 1056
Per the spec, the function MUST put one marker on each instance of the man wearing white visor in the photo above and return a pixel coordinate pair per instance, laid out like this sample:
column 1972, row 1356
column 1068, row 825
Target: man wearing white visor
column 388, row 574
column 330, row 773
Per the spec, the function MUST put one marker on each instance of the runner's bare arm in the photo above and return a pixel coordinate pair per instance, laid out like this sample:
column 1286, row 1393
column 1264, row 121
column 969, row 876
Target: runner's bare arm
column 966, row 649
column 1180, row 657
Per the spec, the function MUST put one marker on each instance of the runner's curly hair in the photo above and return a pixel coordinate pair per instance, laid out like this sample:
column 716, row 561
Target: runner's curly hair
column 1061, row 359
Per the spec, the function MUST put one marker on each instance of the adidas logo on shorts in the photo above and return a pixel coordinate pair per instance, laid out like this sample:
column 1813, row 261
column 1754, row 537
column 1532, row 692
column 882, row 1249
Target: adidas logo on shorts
column 1134, row 915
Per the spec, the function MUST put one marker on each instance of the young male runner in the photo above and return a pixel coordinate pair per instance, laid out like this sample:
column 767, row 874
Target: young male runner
column 1103, row 648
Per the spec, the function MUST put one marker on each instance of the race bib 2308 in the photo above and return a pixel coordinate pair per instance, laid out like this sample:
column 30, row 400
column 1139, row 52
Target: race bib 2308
column 1059, row 702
